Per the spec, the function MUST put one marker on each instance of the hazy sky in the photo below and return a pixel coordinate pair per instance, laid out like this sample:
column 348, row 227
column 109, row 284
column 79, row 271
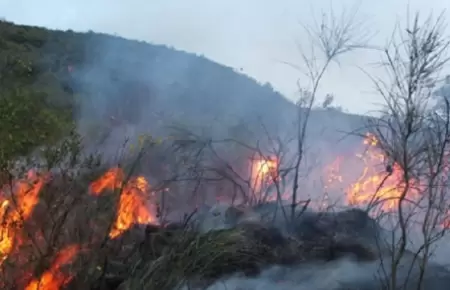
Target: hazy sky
column 255, row 35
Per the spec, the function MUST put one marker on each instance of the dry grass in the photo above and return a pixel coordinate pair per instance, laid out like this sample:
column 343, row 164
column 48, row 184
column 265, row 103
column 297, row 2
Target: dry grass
column 189, row 255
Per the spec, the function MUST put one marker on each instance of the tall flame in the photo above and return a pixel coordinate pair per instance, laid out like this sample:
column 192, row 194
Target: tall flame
column 133, row 207
column 374, row 186
column 263, row 172
column 54, row 279
column 379, row 185
column 18, row 201
column 16, row 207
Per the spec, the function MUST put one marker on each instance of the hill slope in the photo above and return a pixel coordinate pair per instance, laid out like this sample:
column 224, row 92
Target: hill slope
column 114, row 82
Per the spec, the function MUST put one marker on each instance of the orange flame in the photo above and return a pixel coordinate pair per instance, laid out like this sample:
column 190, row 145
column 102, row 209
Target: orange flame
column 111, row 180
column 133, row 207
column 53, row 279
column 23, row 197
column 378, row 186
column 263, row 172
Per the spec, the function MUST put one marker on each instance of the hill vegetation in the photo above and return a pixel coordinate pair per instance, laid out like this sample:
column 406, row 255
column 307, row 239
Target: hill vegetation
column 51, row 80
column 56, row 84
column 76, row 224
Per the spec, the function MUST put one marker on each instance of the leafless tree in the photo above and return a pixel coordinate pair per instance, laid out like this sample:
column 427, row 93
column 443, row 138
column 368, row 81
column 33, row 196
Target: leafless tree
column 415, row 139
column 330, row 39
column 230, row 160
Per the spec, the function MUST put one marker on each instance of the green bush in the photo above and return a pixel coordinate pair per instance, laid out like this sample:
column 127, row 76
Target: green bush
column 27, row 121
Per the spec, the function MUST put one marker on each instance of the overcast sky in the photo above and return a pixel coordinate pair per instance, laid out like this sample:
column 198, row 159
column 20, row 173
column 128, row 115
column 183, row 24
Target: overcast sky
column 255, row 35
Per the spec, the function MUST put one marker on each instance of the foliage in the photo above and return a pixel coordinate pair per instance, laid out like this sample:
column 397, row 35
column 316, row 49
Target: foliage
column 29, row 115
column 27, row 121
column 113, row 79
column 51, row 79
column 105, row 82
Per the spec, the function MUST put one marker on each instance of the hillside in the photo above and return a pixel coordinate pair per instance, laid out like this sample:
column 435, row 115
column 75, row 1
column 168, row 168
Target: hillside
column 171, row 217
column 107, row 81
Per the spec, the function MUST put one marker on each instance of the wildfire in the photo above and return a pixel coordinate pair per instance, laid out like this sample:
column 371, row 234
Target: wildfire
column 15, row 210
column 17, row 204
column 133, row 207
column 373, row 187
column 111, row 180
column 54, row 279
column 18, row 200
column 263, row 172
column 376, row 187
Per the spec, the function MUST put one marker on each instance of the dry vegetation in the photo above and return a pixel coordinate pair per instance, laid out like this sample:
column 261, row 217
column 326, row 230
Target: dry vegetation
column 72, row 221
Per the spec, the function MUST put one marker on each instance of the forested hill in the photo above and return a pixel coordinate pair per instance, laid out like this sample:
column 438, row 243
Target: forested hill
column 102, row 79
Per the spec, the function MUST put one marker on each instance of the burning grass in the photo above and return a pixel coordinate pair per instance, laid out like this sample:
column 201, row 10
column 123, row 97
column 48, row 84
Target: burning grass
column 171, row 258
column 49, row 221
column 58, row 234
column 65, row 231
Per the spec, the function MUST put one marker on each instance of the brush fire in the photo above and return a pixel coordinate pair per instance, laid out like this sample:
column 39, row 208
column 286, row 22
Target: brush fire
column 137, row 205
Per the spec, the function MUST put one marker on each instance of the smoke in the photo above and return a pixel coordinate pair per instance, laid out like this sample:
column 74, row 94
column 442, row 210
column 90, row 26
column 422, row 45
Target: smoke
column 314, row 276
column 345, row 273
column 131, row 88
column 147, row 88
column 127, row 88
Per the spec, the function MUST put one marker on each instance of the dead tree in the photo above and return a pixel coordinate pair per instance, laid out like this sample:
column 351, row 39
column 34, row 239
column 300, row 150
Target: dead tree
column 415, row 139
column 329, row 40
